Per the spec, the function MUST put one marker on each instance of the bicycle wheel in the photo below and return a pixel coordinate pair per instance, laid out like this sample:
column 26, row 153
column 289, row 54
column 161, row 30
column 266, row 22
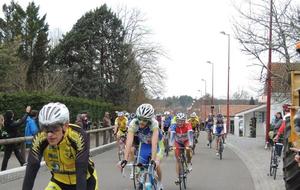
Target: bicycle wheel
column 275, row 166
column 184, row 171
column 221, row 149
column 135, row 177
column 271, row 162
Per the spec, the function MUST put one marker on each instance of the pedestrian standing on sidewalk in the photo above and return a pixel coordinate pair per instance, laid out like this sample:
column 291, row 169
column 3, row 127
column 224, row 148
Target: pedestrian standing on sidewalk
column 11, row 127
column 31, row 126
column 106, row 120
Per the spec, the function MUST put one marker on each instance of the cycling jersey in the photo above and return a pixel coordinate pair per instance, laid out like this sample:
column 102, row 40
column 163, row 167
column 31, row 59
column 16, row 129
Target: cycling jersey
column 194, row 121
column 145, row 138
column 68, row 161
column 219, row 129
column 167, row 123
column 121, row 122
column 181, row 134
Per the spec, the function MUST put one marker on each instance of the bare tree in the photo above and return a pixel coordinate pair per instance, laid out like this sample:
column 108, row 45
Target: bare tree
column 146, row 53
column 251, row 30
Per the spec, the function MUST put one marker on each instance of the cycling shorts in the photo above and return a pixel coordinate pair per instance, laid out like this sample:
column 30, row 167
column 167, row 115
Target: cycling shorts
column 219, row 131
column 145, row 151
column 92, row 184
column 180, row 145
column 121, row 133
column 166, row 129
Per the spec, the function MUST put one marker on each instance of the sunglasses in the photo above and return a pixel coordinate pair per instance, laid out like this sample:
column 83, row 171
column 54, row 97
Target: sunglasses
column 143, row 119
column 52, row 128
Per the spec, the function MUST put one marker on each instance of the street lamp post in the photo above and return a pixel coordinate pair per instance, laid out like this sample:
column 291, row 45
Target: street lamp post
column 204, row 97
column 228, row 74
column 212, row 86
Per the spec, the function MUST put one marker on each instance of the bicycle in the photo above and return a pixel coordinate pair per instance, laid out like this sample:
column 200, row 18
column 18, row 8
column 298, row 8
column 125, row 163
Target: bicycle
column 145, row 177
column 196, row 135
column 221, row 146
column 122, row 143
column 166, row 143
column 183, row 168
column 274, row 162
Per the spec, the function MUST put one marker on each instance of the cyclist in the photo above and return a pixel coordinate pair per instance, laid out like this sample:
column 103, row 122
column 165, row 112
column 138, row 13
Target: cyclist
column 65, row 148
column 182, row 136
column 167, row 121
column 145, row 126
column 219, row 130
column 120, row 129
column 194, row 121
column 209, row 128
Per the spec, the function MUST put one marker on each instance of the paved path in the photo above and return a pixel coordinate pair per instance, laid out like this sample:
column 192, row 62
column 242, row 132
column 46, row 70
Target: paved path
column 209, row 173
column 257, row 160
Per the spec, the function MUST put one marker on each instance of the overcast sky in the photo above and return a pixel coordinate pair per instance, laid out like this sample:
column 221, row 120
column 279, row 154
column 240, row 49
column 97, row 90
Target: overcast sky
column 189, row 31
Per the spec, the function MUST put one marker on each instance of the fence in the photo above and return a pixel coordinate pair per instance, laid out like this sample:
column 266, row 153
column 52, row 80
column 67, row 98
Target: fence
column 17, row 173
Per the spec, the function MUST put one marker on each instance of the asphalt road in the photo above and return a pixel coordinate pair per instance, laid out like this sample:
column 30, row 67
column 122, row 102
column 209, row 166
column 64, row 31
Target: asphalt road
column 209, row 173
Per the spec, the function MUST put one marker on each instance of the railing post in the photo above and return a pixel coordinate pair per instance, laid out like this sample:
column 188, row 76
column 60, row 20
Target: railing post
column 97, row 139
column 104, row 137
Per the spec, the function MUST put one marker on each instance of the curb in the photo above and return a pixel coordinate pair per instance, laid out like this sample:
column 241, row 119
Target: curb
column 19, row 172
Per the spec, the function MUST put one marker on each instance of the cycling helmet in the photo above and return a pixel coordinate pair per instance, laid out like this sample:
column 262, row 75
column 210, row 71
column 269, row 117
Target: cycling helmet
column 180, row 116
column 132, row 115
column 145, row 111
column 54, row 113
column 120, row 114
column 127, row 114
column 193, row 114
column 219, row 117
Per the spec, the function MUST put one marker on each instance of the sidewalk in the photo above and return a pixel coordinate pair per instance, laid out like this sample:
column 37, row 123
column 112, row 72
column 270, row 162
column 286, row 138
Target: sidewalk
column 257, row 160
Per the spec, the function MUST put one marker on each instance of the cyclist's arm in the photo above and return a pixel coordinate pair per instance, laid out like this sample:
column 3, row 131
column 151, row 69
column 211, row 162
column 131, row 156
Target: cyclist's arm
column 34, row 159
column 154, row 143
column 190, row 135
column 129, row 141
column 172, row 135
column 82, row 159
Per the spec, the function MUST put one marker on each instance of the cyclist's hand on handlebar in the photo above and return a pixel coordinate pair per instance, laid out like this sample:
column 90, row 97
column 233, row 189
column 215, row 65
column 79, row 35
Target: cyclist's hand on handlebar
column 153, row 163
column 123, row 163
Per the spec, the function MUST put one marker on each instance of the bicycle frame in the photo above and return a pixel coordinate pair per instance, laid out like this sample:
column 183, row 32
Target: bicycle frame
column 146, row 177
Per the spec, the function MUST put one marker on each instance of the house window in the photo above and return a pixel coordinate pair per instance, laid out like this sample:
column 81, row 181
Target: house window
column 261, row 117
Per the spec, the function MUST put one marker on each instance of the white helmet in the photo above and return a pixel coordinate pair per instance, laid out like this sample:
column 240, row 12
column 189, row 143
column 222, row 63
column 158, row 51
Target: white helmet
column 145, row 111
column 180, row 116
column 120, row 114
column 54, row 113
column 193, row 114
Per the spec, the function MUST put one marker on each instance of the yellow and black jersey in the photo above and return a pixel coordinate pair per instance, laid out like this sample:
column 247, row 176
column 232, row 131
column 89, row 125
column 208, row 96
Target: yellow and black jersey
column 68, row 161
column 194, row 121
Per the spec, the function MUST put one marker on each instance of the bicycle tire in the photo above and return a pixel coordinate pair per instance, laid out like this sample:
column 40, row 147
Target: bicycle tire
column 274, row 172
column 135, row 178
column 220, row 149
column 271, row 163
column 184, row 171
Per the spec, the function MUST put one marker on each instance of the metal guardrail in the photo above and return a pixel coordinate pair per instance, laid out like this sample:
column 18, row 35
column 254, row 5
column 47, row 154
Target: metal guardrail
column 96, row 131
column 17, row 173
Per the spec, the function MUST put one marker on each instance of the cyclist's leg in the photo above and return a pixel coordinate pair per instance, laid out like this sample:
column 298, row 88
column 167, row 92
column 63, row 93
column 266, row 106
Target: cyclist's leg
column 188, row 152
column 177, row 154
column 159, row 157
column 92, row 182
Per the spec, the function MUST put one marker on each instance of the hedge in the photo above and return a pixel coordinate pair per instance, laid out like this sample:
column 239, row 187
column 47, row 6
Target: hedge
column 18, row 102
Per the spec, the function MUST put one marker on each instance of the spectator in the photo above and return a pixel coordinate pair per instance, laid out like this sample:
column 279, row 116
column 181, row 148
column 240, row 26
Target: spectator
column 106, row 120
column 31, row 126
column 3, row 133
column 11, row 127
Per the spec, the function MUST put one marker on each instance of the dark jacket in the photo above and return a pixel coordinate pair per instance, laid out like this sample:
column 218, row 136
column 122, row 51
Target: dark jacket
column 11, row 126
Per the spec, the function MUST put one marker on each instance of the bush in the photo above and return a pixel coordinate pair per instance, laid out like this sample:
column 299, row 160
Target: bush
column 18, row 102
